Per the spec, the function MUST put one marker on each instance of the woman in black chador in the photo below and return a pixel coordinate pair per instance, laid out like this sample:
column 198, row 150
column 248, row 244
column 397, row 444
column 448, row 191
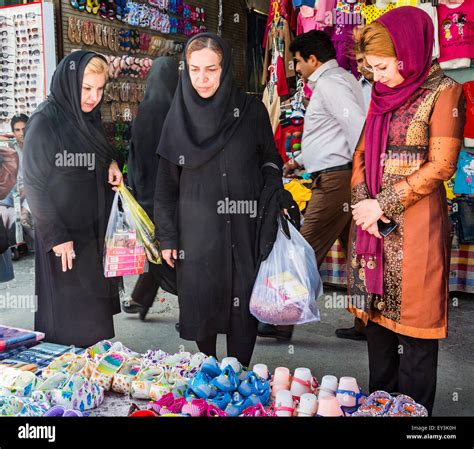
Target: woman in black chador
column 69, row 172
column 217, row 160
column 142, row 168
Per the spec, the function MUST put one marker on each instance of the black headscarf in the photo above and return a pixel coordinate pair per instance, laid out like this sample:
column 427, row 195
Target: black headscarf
column 146, row 129
column 63, row 107
column 197, row 128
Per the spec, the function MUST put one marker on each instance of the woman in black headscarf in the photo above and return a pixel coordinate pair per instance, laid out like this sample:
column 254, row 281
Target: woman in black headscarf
column 69, row 172
column 142, row 168
column 217, row 158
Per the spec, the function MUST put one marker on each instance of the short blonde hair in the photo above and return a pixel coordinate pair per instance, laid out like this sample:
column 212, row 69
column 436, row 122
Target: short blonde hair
column 374, row 39
column 98, row 66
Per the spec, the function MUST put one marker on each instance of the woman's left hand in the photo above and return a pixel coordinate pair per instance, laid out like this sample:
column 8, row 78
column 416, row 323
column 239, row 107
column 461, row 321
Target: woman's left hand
column 115, row 175
column 366, row 213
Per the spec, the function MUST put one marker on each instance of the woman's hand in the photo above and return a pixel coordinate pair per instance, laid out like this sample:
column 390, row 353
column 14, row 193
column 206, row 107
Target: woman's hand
column 67, row 254
column 170, row 256
column 366, row 213
column 115, row 175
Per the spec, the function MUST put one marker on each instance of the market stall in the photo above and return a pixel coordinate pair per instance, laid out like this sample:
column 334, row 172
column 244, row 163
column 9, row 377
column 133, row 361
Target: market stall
column 109, row 379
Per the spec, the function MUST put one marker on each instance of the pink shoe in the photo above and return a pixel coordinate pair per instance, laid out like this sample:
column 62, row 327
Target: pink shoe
column 215, row 412
column 196, row 408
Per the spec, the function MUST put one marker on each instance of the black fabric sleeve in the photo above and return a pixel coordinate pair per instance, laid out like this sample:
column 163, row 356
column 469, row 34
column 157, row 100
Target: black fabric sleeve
column 270, row 160
column 166, row 204
column 40, row 148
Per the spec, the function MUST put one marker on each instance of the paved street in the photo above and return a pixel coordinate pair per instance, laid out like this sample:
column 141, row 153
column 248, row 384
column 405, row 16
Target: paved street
column 313, row 345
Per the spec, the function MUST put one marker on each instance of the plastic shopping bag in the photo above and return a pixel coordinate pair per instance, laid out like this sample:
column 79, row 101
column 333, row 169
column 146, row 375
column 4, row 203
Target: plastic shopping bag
column 128, row 242
column 288, row 282
column 143, row 225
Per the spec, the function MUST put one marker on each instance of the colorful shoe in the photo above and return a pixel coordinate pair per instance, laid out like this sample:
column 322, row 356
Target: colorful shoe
column 143, row 382
column 99, row 348
column 44, row 391
column 72, row 414
column 81, row 365
column 215, row 412
column 211, row 367
column 56, row 411
column 197, row 360
column 196, row 408
column 105, row 371
column 122, row 382
column 256, row 411
column 221, row 400
column 62, row 363
column 377, row 404
column 405, row 406
column 227, row 381
column 252, row 384
column 78, row 393
column 22, row 407
column 164, row 402
column 59, row 411
column 24, row 382
column 237, row 408
column 202, row 386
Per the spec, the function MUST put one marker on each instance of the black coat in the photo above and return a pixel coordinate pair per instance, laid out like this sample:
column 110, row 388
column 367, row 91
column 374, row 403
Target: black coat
column 75, row 307
column 216, row 246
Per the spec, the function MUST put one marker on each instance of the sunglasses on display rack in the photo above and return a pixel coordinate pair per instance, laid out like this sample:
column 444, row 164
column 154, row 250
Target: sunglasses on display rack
column 28, row 15
column 33, row 90
column 5, row 78
column 28, row 61
column 5, row 84
column 26, row 75
column 29, row 53
column 25, row 83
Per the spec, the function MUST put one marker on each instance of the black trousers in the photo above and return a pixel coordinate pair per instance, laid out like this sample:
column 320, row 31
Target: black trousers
column 402, row 364
column 240, row 343
column 148, row 284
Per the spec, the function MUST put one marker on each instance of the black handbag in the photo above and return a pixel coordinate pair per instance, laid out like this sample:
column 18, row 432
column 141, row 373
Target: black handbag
column 4, row 243
column 465, row 213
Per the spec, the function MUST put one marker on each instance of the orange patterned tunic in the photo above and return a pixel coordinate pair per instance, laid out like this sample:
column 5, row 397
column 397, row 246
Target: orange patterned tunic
column 423, row 145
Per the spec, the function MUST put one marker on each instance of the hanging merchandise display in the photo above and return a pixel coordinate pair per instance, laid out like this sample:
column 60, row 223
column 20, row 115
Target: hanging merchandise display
column 129, row 34
column 27, row 60
column 373, row 12
column 469, row 128
column 456, row 35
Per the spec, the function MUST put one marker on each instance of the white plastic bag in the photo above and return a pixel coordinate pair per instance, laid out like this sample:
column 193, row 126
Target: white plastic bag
column 288, row 282
column 124, row 253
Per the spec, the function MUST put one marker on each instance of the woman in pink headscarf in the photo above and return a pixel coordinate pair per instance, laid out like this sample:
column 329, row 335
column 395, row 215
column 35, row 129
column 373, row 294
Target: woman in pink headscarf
column 398, row 284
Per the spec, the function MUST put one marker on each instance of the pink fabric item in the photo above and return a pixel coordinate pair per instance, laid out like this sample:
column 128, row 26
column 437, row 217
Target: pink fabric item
column 456, row 31
column 282, row 85
column 324, row 11
column 306, row 24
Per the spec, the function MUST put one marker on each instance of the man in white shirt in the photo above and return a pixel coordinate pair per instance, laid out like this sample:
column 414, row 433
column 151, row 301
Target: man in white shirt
column 366, row 80
column 333, row 123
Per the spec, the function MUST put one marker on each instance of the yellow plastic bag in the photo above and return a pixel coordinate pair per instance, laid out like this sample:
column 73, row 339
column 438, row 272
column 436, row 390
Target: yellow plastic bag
column 144, row 226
